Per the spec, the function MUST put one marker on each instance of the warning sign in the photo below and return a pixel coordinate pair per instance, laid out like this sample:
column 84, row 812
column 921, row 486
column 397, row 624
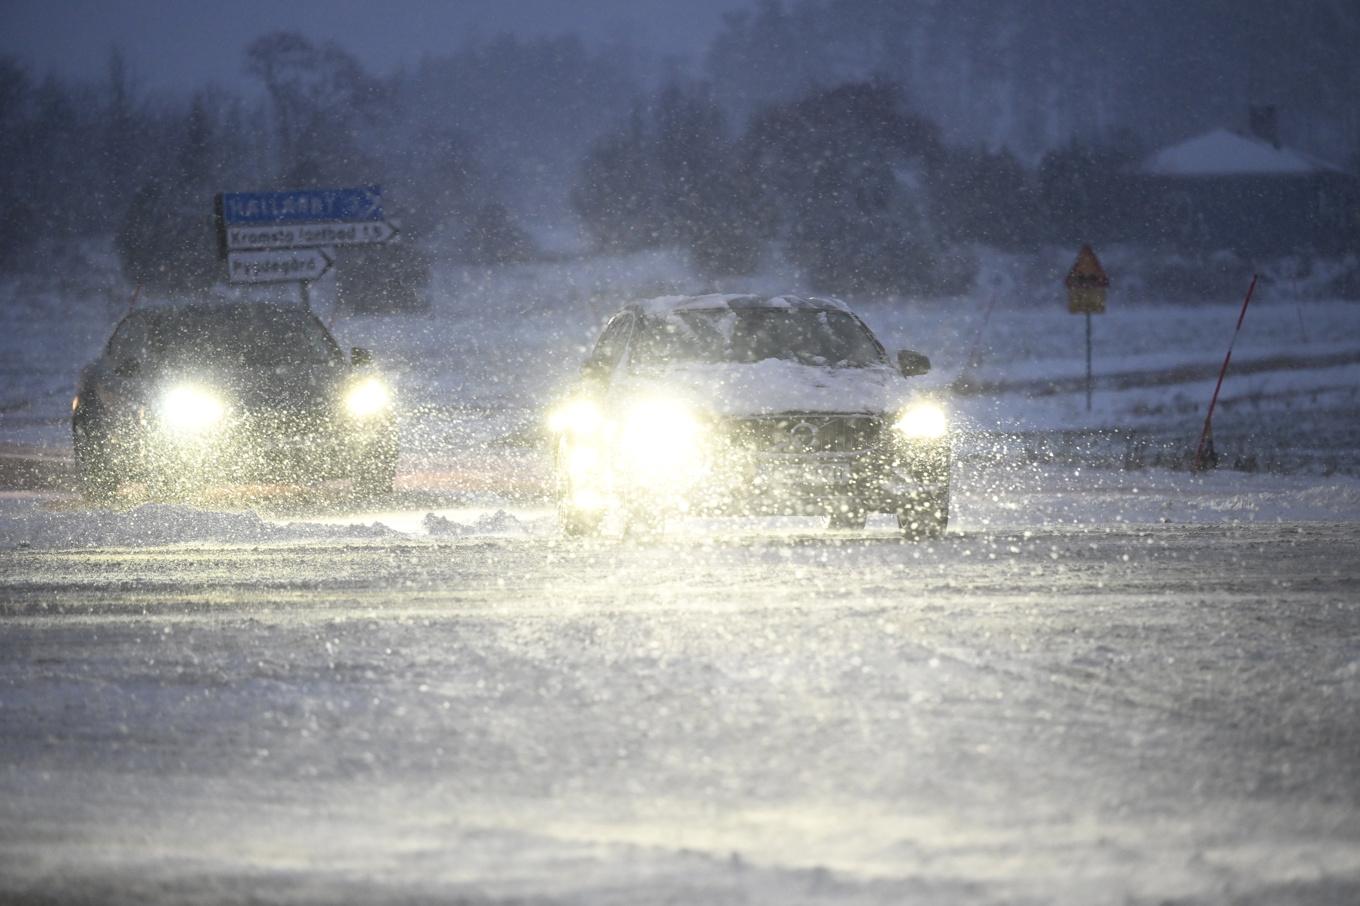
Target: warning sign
column 1086, row 284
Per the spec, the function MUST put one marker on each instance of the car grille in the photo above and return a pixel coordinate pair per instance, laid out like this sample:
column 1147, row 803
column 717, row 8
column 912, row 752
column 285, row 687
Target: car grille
column 807, row 433
column 284, row 423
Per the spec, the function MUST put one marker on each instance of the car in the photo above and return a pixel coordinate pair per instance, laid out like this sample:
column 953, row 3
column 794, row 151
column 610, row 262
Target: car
column 746, row 404
column 190, row 394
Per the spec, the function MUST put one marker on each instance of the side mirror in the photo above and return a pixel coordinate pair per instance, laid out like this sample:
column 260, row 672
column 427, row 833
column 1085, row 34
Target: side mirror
column 912, row 363
column 128, row 367
column 359, row 356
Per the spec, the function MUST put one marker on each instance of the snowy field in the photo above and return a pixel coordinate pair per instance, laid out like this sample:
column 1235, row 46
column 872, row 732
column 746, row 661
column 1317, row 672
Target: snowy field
column 1113, row 681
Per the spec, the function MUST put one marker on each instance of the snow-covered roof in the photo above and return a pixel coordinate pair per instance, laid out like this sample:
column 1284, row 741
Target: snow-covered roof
column 664, row 305
column 1223, row 152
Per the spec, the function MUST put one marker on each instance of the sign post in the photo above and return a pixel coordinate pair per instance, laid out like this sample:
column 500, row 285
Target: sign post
column 290, row 236
column 1086, row 285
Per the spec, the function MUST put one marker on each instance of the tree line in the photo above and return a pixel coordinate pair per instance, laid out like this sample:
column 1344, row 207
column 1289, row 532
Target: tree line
column 872, row 142
column 861, row 190
column 105, row 158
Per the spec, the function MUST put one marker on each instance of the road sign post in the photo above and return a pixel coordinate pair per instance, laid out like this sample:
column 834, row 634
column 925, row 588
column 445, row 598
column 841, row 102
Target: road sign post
column 1086, row 285
column 289, row 236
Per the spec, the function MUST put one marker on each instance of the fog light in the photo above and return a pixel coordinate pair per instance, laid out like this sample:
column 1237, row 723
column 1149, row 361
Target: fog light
column 588, row 499
column 922, row 421
column 578, row 417
column 582, row 462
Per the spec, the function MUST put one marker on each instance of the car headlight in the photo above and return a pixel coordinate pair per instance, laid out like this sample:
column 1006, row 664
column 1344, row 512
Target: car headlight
column 579, row 417
column 191, row 409
column 660, row 434
column 367, row 398
column 922, row 421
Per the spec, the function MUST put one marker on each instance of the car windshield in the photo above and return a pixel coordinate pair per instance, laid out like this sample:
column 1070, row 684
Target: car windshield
column 247, row 335
column 806, row 336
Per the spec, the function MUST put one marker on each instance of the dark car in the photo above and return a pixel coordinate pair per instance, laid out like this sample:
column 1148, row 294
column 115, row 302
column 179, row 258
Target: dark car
column 753, row 405
column 191, row 394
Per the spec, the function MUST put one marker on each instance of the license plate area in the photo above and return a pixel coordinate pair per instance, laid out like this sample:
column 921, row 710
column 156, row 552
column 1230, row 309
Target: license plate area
column 802, row 472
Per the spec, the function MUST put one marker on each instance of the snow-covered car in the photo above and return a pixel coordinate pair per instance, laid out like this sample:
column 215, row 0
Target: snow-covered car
column 748, row 405
column 191, row 394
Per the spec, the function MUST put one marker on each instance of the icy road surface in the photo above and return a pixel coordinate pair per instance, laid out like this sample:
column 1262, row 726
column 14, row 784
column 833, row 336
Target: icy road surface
column 1139, row 712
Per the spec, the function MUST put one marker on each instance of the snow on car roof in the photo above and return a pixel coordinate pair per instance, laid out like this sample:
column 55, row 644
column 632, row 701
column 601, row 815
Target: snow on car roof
column 665, row 305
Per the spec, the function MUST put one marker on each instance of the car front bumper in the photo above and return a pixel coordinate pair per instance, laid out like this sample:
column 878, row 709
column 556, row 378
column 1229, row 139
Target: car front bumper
column 728, row 478
column 770, row 484
column 245, row 451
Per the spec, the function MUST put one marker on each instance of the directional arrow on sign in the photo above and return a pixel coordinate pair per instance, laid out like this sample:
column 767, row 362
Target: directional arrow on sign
column 277, row 265
column 310, row 235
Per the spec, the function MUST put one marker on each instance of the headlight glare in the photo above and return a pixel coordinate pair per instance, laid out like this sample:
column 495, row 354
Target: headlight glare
column 922, row 421
column 191, row 409
column 367, row 398
column 577, row 417
column 661, row 435
column 582, row 462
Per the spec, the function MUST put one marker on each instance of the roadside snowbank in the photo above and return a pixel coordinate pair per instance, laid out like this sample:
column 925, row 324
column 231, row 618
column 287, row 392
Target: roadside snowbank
column 497, row 523
column 986, row 499
column 989, row 499
column 26, row 524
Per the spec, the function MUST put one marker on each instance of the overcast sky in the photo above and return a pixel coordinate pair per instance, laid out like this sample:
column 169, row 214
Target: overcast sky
column 177, row 44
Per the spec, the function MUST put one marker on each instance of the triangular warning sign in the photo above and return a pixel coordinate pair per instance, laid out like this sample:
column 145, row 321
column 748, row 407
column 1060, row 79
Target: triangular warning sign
column 1087, row 273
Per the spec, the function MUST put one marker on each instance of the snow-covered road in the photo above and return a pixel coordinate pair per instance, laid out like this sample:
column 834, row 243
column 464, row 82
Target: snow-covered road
column 1112, row 682
column 1036, row 709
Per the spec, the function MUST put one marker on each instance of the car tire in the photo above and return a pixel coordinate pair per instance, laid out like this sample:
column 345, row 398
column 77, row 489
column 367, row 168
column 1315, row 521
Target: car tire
column 924, row 517
column 99, row 480
column 643, row 522
column 852, row 517
column 578, row 523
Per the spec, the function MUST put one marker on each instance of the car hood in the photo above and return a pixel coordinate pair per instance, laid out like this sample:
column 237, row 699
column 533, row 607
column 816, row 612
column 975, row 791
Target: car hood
column 775, row 386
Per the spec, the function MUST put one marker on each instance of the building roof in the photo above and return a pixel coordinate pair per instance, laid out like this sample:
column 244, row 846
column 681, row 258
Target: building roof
column 1226, row 153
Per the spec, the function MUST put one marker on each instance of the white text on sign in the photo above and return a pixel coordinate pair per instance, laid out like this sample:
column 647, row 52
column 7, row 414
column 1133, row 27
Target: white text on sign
column 309, row 235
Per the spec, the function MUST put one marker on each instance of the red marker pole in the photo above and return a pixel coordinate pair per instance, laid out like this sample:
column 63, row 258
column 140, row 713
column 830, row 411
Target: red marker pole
column 1206, row 437
column 975, row 355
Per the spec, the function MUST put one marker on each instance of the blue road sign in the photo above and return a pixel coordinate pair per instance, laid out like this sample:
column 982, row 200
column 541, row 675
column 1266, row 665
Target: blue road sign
column 347, row 205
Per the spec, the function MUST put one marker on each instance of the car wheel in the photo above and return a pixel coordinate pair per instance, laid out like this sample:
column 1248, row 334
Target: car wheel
column 99, row 480
column 848, row 516
column 642, row 521
column 924, row 516
column 579, row 523
column 574, row 520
